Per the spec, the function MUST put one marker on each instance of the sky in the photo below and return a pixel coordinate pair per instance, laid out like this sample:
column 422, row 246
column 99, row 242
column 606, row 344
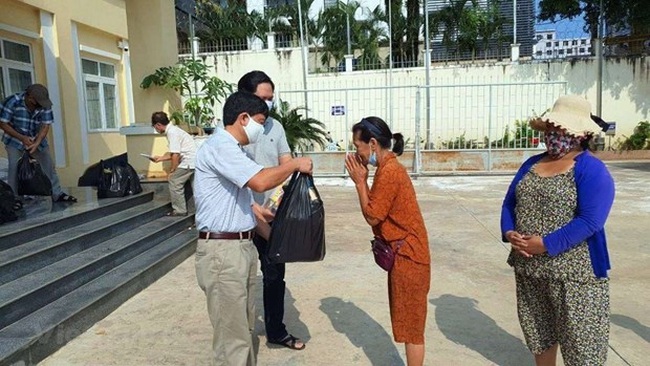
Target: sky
column 564, row 28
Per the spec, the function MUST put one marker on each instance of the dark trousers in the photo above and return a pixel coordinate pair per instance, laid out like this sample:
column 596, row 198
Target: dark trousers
column 273, row 293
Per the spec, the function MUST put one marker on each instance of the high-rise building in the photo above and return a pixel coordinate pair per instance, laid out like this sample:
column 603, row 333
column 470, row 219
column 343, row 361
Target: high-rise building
column 524, row 34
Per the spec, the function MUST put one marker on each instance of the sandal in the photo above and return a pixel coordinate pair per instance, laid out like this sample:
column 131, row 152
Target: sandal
column 18, row 205
column 64, row 197
column 290, row 342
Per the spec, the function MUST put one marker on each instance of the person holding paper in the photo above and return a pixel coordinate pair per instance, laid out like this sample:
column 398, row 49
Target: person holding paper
column 182, row 151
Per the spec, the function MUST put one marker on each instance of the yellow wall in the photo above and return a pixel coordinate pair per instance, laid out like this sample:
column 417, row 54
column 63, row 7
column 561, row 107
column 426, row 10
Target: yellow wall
column 152, row 44
column 107, row 15
column 148, row 144
column 101, row 24
column 19, row 15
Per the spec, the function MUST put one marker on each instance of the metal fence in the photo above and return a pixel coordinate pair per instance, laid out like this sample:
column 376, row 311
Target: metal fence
column 443, row 37
column 472, row 117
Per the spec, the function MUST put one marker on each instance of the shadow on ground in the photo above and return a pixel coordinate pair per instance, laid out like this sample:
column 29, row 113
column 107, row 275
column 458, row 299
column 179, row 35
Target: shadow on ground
column 632, row 324
column 462, row 323
column 362, row 331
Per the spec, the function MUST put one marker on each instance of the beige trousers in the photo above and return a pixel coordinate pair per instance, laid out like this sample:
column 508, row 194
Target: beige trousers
column 177, row 188
column 226, row 271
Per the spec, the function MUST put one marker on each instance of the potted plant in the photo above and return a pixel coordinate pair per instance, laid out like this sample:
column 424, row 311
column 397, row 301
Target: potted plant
column 301, row 131
column 191, row 79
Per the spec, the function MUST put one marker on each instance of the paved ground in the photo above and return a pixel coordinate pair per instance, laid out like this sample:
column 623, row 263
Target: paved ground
column 339, row 306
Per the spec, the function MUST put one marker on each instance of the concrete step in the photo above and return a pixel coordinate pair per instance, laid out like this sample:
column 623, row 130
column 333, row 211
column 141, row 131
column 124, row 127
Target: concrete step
column 35, row 336
column 23, row 231
column 27, row 294
column 22, row 259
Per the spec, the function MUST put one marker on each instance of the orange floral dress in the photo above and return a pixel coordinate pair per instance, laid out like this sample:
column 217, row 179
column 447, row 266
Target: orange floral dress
column 394, row 204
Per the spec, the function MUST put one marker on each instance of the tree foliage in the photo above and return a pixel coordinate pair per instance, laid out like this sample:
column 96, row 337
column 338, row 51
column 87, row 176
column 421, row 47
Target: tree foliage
column 632, row 15
column 365, row 34
column 302, row 132
column 184, row 78
column 639, row 140
column 465, row 24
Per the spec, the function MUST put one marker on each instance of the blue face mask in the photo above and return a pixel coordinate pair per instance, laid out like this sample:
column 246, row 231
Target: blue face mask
column 373, row 159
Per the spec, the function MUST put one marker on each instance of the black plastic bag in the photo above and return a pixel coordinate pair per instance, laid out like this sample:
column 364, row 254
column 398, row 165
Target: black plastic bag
column 298, row 231
column 7, row 203
column 31, row 179
column 117, row 180
column 93, row 174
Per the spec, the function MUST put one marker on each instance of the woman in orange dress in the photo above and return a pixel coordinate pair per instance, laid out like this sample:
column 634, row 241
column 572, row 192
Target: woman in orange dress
column 392, row 210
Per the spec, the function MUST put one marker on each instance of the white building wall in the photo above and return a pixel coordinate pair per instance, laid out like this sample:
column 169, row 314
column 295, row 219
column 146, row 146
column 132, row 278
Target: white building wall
column 548, row 46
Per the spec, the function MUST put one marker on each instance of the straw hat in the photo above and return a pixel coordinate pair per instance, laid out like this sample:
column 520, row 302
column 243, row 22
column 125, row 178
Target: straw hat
column 572, row 113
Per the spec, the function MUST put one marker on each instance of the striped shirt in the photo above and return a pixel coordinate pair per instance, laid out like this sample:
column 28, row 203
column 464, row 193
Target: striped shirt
column 14, row 112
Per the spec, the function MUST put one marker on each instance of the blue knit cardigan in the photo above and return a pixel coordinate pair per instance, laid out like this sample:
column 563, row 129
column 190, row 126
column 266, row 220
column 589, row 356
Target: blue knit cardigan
column 595, row 188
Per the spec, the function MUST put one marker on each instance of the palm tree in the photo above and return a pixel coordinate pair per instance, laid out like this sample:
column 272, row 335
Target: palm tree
column 335, row 24
column 315, row 29
column 491, row 27
column 301, row 132
column 372, row 33
column 459, row 25
column 365, row 34
column 405, row 30
column 229, row 27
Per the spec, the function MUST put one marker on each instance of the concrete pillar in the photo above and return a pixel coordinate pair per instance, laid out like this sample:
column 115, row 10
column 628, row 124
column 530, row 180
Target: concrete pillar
column 126, row 64
column 196, row 43
column 514, row 52
column 270, row 40
column 349, row 67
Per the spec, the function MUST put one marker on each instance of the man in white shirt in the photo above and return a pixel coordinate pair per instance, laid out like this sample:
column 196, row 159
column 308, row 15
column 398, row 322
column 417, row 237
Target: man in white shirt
column 182, row 151
column 226, row 218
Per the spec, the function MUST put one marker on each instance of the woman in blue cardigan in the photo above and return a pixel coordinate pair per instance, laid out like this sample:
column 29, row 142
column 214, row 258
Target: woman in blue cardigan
column 553, row 216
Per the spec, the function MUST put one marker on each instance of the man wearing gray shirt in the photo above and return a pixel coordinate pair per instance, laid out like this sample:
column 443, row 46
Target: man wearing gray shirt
column 272, row 150
column 227, row 218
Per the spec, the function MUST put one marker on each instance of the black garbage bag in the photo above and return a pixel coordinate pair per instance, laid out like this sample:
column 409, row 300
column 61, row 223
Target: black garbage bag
column 7, row 203
column 93, row 173
column 298, row 231
column 118, row 179
column 31, row 179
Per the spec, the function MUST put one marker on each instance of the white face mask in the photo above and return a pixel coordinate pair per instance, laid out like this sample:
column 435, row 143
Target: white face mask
column 269, row 103
column 253, row 130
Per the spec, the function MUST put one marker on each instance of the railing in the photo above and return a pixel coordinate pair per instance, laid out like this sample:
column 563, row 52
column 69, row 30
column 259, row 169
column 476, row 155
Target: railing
column 473, row 117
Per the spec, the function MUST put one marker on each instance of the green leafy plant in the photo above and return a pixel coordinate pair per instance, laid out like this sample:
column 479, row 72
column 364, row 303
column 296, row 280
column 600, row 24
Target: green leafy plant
column 460, row 142
column 503, row 141
column 523, row 135
column 301, row 131
column 191, row 78
column 639, row 140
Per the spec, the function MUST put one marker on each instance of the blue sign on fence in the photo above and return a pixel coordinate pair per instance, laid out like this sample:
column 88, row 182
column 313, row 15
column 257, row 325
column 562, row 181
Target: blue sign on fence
column 338, row 110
